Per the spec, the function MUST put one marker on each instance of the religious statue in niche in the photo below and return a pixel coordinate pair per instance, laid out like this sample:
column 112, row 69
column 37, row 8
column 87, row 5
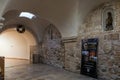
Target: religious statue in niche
column 108, row 19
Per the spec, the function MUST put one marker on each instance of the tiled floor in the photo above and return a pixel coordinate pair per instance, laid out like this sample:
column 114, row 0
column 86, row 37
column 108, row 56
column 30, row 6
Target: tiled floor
column 40, row 72
column 15, row 62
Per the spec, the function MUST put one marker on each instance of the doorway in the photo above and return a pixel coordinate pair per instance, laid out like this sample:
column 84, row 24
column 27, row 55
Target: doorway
column 15, row 47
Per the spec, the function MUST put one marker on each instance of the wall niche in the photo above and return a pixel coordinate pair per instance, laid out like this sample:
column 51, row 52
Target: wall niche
column 53, row 51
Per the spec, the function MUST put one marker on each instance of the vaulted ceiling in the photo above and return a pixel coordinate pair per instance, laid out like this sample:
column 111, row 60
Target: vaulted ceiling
column 66, row 15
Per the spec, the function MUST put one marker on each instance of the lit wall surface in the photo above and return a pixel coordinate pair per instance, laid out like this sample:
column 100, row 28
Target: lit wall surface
column 16, row 45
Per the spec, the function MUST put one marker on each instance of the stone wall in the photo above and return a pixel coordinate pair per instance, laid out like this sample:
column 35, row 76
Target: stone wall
column 109, row 41
column 66, row 53
column 72, row 55
column 53, row 49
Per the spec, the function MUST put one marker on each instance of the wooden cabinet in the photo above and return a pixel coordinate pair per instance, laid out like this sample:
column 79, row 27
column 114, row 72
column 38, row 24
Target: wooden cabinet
column 2, row 68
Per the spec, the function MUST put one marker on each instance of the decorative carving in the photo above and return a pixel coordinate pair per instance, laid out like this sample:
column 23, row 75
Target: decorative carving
column 107, row 47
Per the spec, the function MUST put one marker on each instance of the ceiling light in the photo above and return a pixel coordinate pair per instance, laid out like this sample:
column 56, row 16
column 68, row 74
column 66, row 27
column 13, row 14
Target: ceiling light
column 27, row 15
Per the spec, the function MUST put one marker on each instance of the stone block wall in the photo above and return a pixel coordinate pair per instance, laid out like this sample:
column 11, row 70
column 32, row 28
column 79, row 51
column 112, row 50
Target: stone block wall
column 109, row 41
column 72, row 55
column 66, row 53
column 52, row 47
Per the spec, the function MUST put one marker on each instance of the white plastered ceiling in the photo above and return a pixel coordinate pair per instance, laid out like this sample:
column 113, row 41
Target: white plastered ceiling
column 66, row 15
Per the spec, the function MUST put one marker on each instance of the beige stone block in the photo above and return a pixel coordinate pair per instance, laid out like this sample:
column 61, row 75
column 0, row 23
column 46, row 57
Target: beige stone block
column 114, row 36
column 117, row 48
column 70, row 45
column 106, row 37
column 117, row 54
column 117, row 58
column 111, row 36
column 67, row 64
column 73, row 66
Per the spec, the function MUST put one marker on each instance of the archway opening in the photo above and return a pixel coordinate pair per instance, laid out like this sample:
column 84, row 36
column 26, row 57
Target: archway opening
column 14, row 45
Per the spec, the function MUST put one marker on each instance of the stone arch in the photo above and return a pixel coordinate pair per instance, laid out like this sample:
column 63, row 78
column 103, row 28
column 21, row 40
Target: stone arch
column 12, row 19
column 37, row 25
column 15, row 42
column 14, row 25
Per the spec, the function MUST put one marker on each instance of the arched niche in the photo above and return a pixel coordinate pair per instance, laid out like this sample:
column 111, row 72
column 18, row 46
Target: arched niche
column 52, row 47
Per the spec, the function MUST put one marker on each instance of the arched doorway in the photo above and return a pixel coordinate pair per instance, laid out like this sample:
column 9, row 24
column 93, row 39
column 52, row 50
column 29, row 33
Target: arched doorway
column 14, row 45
